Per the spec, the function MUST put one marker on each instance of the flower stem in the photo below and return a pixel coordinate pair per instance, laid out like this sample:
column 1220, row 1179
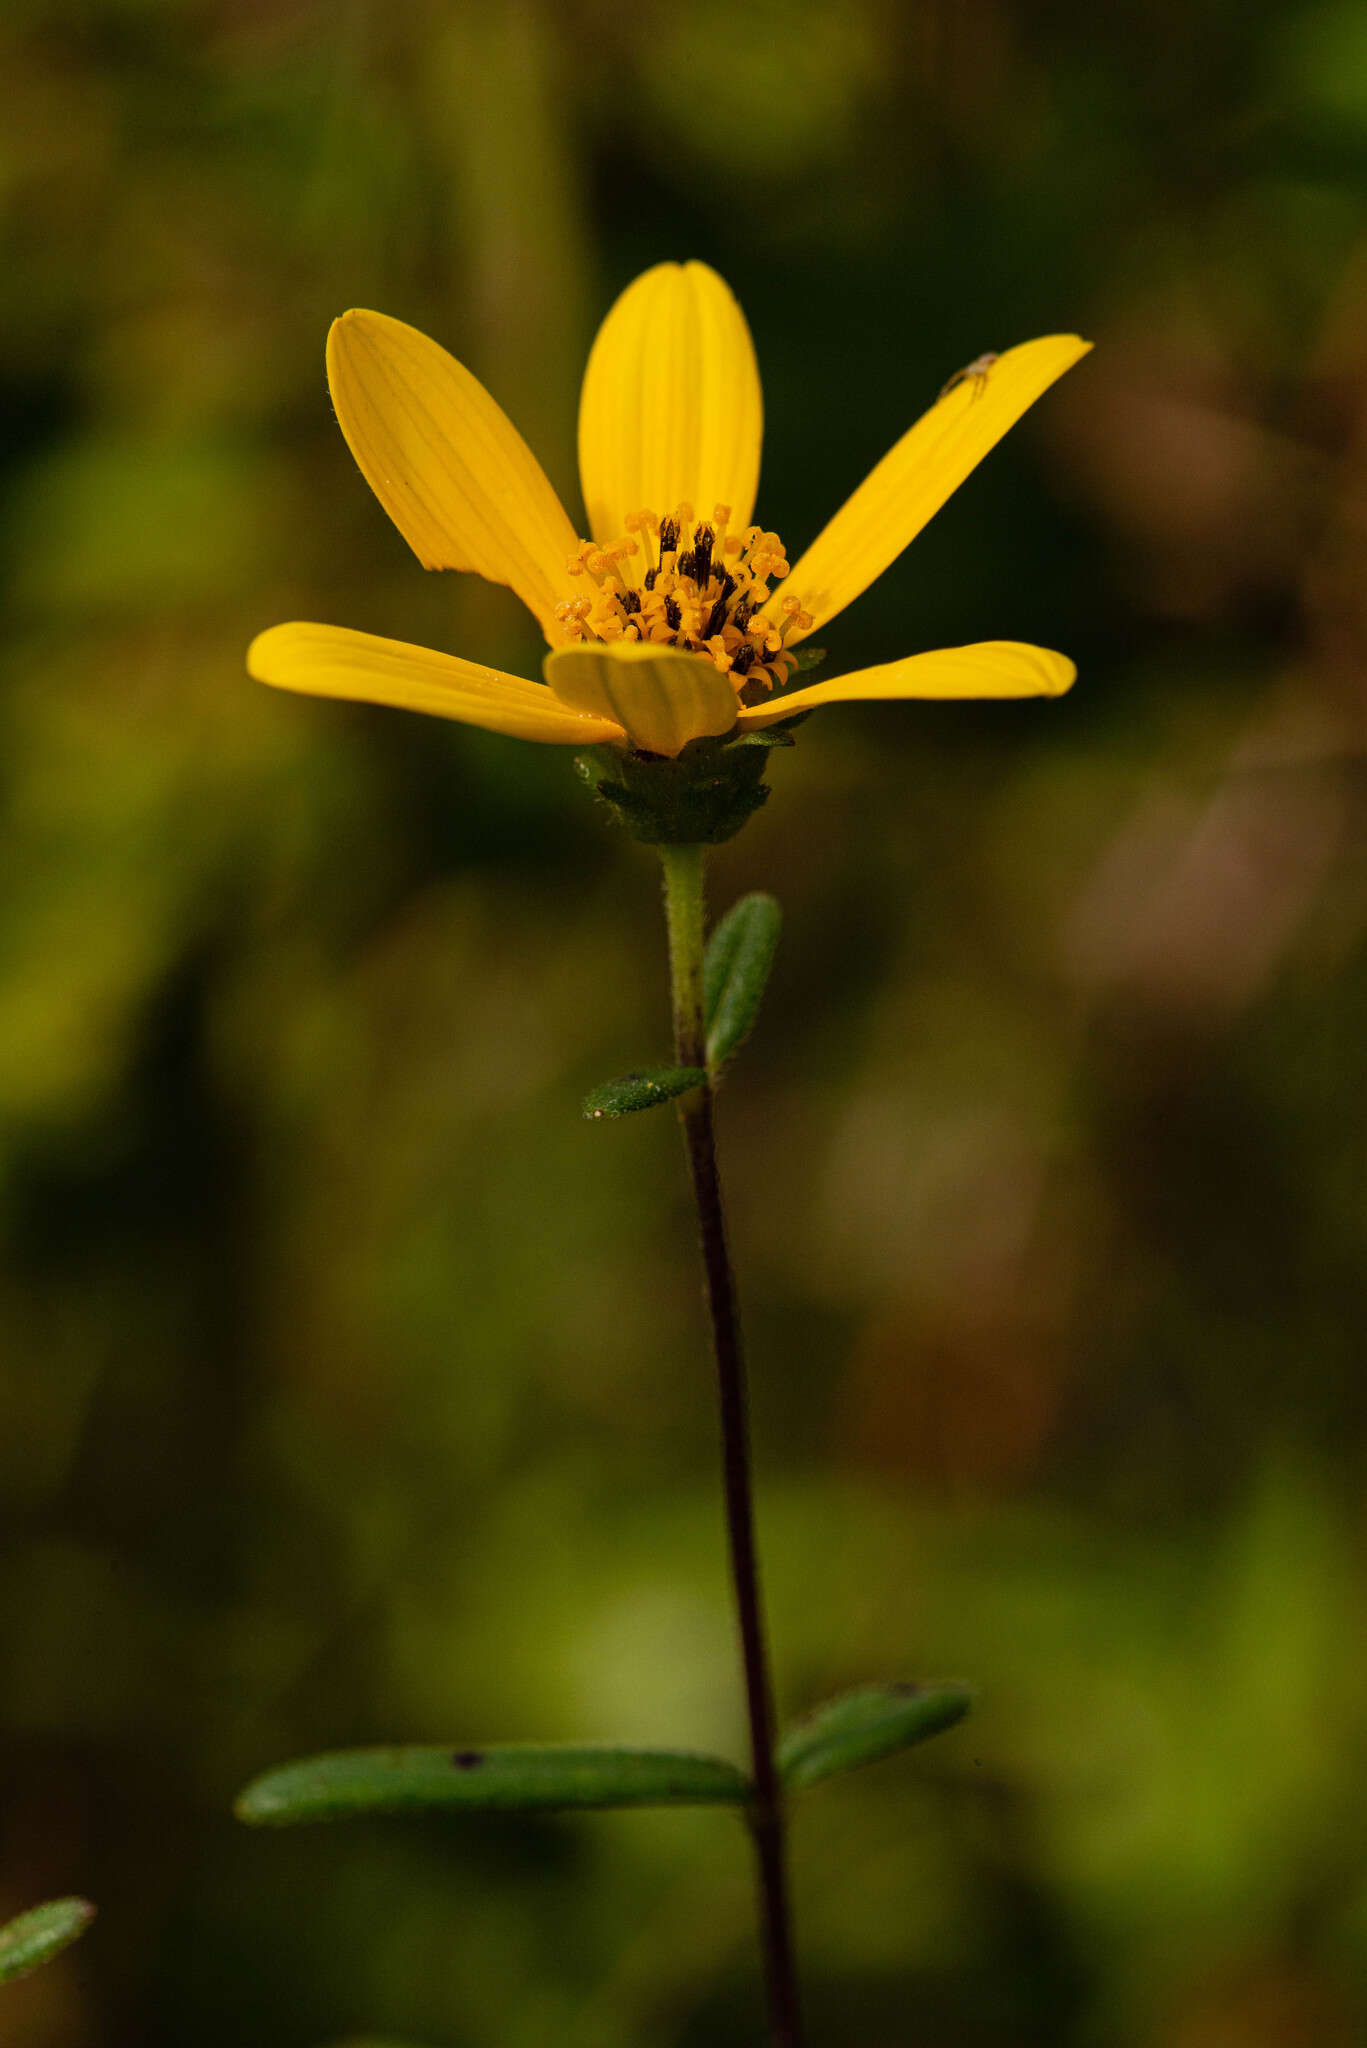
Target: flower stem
column 683, row 888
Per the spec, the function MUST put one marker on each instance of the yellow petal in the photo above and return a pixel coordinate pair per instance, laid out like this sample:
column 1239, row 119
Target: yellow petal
column 990, row 668
column 671, row 408
column 914, row 479
column 661, row 698
column 445, row 461
column 332, row 661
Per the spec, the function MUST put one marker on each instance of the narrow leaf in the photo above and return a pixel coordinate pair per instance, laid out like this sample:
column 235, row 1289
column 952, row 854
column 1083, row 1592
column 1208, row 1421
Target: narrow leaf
column 38, row 1935
column 510, row 1778
column 740, row 954
column 647, row 1090
column 862, row 1726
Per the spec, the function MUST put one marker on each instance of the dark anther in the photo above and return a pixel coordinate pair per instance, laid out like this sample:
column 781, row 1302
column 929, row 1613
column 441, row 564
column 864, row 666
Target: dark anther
column 744, row 660
column 669, row 536
column 673, row 615
column 716, row 619
column 728, row 583
column 687, row 565
column 743, row 613
column 467, row 1759
column 651, row 574
column 630, row 600
column 702, row 555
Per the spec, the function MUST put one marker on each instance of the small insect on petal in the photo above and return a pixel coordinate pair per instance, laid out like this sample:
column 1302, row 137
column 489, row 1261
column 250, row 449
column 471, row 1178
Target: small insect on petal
column 974, row 373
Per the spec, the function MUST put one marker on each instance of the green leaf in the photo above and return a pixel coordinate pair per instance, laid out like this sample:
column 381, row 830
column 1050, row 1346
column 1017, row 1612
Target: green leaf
column 740, row 954
column 512, row 1777
column 36, row 1936
column 862, row 1726
column 647, row 1090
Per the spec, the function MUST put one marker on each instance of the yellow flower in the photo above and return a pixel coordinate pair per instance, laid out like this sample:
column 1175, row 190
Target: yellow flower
column 678, row 619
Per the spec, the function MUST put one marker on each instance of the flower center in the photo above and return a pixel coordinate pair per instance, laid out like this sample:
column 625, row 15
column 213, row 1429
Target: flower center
column 693, row 585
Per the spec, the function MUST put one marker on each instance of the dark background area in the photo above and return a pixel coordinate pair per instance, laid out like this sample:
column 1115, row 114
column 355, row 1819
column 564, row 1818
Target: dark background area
column 353, row 1388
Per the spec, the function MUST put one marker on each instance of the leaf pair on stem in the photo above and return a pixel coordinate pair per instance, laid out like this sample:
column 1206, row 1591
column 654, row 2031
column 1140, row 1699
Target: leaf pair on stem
column 858, row 1728
column 740, row 954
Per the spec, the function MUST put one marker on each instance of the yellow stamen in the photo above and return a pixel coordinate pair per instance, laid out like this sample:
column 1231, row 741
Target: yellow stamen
column 794, row 617
column 700, row 589
column 645, row 524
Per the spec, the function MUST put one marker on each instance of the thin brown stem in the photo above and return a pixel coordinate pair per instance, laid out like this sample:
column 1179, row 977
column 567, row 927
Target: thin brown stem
column 683, row 897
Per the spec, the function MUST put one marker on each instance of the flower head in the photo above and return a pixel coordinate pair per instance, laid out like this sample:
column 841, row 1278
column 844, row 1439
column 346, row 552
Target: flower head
column 677, row 618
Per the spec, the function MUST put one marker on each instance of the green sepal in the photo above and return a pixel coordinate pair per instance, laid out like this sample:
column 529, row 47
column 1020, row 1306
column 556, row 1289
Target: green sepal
column 630, row 1092
column 769, row 735
column 509, row 1778
column 862, row 1726
column 807, row 658
column 779, row 735
column 740, row 954
column 40, row 1934
column 699, row 799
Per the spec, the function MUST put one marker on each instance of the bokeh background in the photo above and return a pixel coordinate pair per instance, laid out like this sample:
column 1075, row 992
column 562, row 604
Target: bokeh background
column 353, row 1388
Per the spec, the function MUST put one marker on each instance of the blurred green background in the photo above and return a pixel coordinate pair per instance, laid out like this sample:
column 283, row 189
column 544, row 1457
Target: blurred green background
column 353, row 1388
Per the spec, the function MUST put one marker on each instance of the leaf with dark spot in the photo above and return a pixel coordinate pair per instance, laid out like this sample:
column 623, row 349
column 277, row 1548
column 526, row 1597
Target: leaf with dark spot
column 510, row 1777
